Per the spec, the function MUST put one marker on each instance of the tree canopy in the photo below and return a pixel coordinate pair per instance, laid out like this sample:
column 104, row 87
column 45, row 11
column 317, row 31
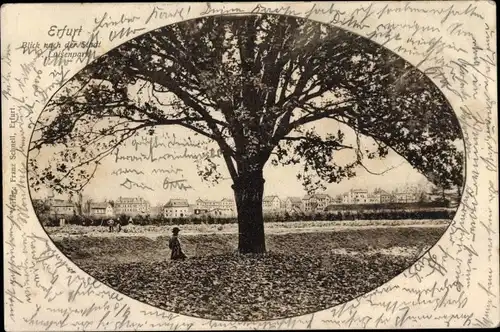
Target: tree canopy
column 254, row 84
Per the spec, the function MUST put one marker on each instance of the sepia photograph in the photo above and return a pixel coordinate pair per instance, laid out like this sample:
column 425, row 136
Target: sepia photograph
column 246, row 167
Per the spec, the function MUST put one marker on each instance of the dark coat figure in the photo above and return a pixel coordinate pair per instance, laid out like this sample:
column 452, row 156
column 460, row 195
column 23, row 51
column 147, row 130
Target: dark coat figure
column 175, row 245
column 111, row 225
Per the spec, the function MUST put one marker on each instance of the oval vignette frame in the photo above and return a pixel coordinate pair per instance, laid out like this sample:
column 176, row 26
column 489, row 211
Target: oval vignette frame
column 464, row 174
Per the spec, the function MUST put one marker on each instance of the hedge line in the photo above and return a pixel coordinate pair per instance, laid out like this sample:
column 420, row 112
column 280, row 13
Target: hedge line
column 329, row 216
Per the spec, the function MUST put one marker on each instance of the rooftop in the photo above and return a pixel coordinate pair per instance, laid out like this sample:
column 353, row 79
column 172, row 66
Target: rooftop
column 177, row 202
column 269, row 198
column 130, row 200
column 63, row 204
column 320, row 196
column 98, row 205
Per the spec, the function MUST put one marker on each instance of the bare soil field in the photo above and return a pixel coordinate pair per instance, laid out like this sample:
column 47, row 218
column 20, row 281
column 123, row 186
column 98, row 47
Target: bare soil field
column 154, row 231
column 302, row 272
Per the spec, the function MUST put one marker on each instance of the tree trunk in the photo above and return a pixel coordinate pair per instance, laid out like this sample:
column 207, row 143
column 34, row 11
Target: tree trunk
column 248, row 192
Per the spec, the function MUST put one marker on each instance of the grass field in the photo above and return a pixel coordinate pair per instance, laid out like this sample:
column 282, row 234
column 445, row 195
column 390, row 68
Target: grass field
column 303, row 271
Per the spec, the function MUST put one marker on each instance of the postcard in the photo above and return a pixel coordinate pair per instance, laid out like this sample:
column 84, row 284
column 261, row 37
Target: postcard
column 229, row 166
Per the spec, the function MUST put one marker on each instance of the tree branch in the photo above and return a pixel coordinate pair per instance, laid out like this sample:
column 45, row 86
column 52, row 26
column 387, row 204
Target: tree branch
column 312, row 139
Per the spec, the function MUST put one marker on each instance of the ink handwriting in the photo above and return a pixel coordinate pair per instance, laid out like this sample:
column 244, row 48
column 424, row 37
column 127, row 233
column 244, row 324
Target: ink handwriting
column 129, row 184
column 176, row 184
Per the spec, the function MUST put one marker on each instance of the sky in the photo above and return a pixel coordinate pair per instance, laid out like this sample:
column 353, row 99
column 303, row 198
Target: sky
column 119, row 176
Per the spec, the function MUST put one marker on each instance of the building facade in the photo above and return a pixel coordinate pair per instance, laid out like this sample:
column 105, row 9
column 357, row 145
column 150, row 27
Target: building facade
column 346, row 198
column 356, row 196
column 316, row 202
column 374, row 198
column 271, row 203
column 338, row 199
column 131, row 206
column 223, row 208
column 228, row 203
column 309, row 204
column 385, row 197
column 293, row 204
column 62, row 208
column 323, row 201
column 207, row 204
column 177, row 208
column 405, row 197
column 101, row 210
column 110, row 211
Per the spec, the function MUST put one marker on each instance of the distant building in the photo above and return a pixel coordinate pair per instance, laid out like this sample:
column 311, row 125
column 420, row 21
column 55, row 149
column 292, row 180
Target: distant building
column 228, row 203
column 156, row 210
column 177, row 208
column 60, row 207
column 271, row 203
column 293, row 204
column 110, row 210
column 405, row 197
column 207, row 204
column 337, row 200
column 373, row 198
column 223, row 208
column 131, row 206
column 316, row 202
column 385, row 197
column 228, row 207
column 356, row 196
column 346, row 198
column 323, row 200
column 200, row 211
column 310, row 204
column 98, row 209
column 102, row 210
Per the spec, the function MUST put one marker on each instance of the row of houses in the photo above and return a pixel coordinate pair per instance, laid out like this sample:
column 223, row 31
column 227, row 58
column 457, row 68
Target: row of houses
column 180, row 208
column 362, row 196
column 225, row 208
column 131, row 206
column 319, row 202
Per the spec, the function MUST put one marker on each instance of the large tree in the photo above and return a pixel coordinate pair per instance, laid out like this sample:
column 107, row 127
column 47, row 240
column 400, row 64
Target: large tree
column 254, row 85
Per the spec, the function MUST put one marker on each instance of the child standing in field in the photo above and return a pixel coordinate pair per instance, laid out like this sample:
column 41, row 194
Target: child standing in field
column 175, row 245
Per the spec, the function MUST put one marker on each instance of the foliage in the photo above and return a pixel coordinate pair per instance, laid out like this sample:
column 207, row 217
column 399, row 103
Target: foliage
column 123, row 219
column 435, row 211
column 254, row 85
column 41, row 207
column 294, row 278
column 233, row 287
